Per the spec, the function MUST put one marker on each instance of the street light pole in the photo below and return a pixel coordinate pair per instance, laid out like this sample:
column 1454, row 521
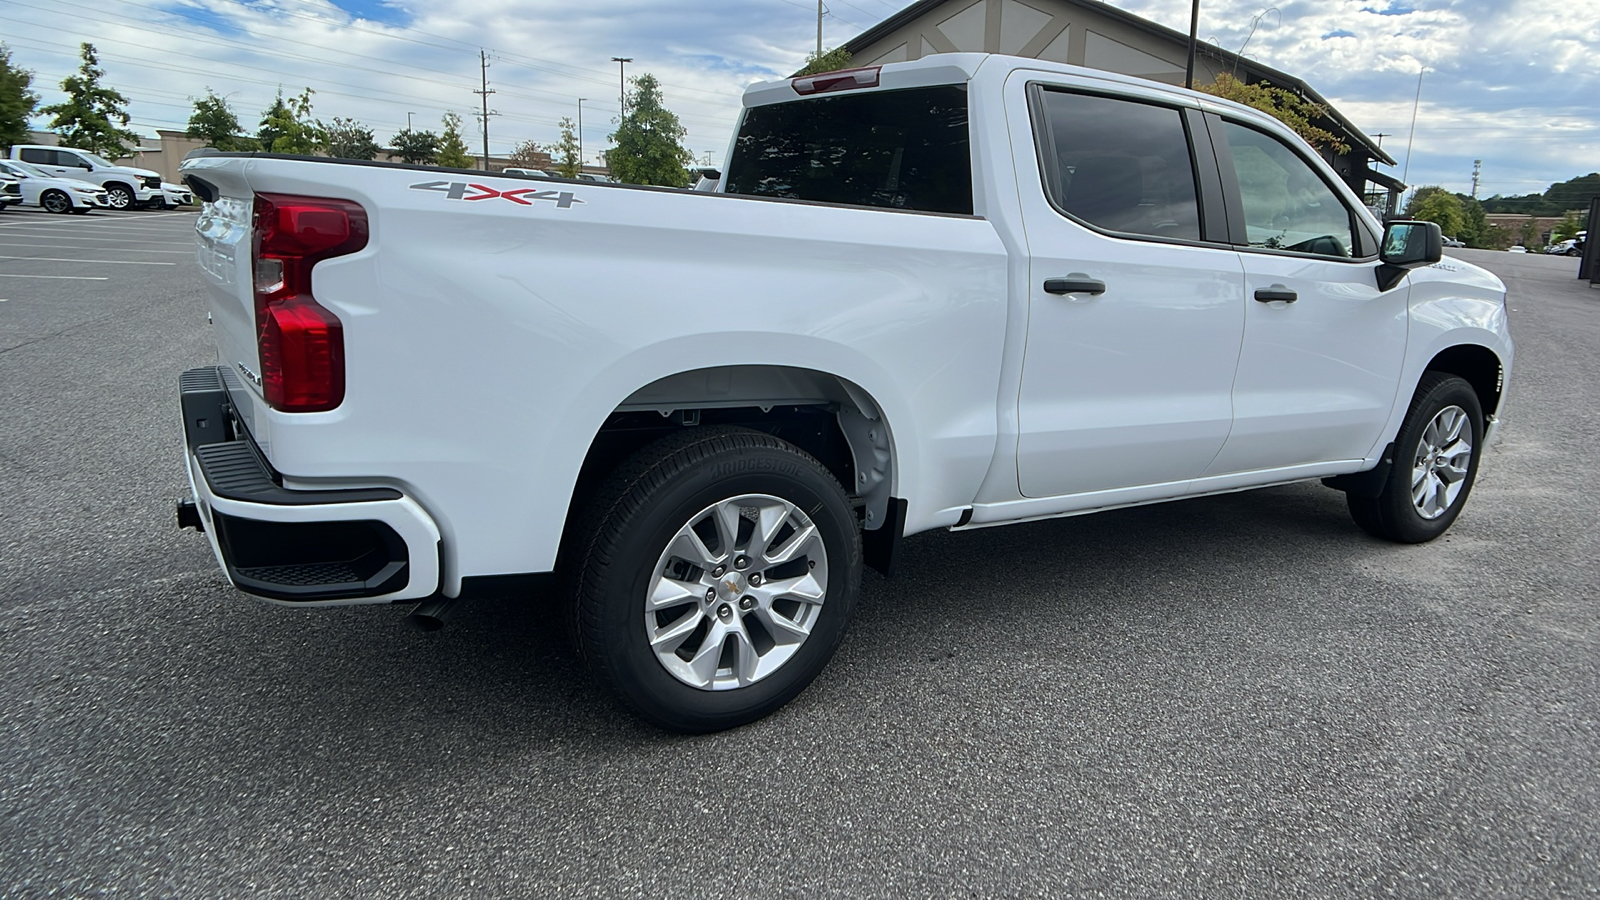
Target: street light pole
column 1194, row 33
column 580, row 132
column 409, row 114
column 622, row 81
column 1406, row 173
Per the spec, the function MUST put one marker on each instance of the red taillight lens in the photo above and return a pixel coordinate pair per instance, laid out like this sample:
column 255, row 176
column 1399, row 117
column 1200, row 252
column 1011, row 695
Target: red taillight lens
column 301, row 342
column 840, row 80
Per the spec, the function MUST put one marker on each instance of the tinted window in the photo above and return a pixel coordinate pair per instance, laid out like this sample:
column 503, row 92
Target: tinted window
column 1121, row 165
column 898, row 149
column 1287, row 205
column 34, row 155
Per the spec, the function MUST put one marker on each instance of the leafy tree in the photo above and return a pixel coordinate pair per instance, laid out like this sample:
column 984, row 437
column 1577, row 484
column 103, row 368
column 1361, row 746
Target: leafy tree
column 89, row 117
column 826, row 61
column 213, row 121
column 1573, row 194
column 530, row 155
column 17, row 102
column 1435, row 204
column 1528, row 235
column 1475, row 233
column 1286, row 106
column 1568, row 227
column 287, row 126
column 452, row 149
column 349, row 139
column 419, row 148
column 649, row 140
column 565, row 153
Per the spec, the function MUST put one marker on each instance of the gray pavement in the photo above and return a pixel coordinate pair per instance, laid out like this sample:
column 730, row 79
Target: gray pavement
column 1234, row 696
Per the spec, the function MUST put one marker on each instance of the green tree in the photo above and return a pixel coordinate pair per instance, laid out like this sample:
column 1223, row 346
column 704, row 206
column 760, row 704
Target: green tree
column 214, row 122
column 17, row 102
column 89, row 118
column 649, row 140
column 349, row 139
column 1435, row 204
column 287, row 126
column 1573, row 194
column 452, row 149
column 1528, row 234
column 1568, row 227
column 1286, row 106
column 826, row 61
column 1476, row 231
column 419, row 148
column 565, row 153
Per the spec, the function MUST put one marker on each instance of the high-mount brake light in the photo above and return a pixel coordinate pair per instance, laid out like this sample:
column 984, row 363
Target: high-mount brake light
column 301, row 342
column 841, row 80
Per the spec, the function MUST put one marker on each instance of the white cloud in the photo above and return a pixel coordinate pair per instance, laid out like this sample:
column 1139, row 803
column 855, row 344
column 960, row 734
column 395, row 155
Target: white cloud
column 1511, row 82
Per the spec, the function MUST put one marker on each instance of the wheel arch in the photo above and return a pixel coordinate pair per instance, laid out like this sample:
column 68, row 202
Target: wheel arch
column 1478, row 366
column 829, row 416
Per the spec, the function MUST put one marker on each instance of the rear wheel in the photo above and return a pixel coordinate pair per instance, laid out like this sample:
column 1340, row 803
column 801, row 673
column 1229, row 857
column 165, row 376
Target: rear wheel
column 720, row 569
column 1435, row 464
column 55, row 201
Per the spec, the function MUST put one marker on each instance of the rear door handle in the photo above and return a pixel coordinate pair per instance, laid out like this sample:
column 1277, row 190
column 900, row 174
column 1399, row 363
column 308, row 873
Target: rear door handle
column 1276, row 292
column 1076, row 283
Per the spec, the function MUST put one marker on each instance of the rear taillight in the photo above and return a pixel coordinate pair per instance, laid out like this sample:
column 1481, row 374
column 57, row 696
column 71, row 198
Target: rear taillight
column 841, row 80
column 301, row 342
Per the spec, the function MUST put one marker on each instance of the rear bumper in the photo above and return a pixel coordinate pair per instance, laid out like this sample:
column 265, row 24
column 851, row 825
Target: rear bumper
column 322, row 547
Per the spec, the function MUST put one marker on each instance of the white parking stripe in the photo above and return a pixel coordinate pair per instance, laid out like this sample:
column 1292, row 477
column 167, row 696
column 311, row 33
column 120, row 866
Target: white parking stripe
column 109, row 240
column 107, row 222
column 59, row 277
column 189, row 252
column 106, row 262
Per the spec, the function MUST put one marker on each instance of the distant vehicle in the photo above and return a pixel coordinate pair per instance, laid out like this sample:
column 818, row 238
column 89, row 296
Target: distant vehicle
column 1452, row 242
column 58, row 195
column 175, row 195
column 1516, row 248
column 531, row 173
column 126, row 187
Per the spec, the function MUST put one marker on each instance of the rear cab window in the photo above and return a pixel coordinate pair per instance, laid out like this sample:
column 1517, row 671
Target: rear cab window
column 904, row 149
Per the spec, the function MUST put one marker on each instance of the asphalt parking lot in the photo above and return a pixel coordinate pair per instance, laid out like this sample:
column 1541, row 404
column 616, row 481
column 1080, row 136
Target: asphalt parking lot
column 1233, row 696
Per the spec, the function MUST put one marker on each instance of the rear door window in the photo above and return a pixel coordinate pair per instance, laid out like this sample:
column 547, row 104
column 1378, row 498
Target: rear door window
column 1119, row 165
column 906, row 149
column 39, row 155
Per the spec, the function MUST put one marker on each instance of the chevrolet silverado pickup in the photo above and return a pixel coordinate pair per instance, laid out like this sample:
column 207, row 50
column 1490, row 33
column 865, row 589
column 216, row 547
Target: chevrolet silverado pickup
column 952, row 293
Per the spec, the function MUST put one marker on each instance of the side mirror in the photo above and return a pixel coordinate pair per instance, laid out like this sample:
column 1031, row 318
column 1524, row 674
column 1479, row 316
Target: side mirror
column 1412, row 244
column 1407, row 245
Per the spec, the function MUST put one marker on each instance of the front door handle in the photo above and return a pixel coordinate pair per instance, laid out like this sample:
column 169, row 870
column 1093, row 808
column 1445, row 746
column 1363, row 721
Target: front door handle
column 1076, row 283
column 1276, row 292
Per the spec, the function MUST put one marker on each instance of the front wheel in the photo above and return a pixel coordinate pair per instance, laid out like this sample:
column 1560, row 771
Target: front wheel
column 1435, row 465
column 119, row 196
column 720, row 569
column 56, row 201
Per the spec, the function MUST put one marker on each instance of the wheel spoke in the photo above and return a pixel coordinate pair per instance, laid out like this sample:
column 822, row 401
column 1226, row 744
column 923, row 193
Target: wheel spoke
column 804, row 542
column 706, row 659
column 747, row 662
column 727, row 517
column 783, row 629
column 670, row 638
column 687, row 546
column 771, row 519
column 670, row 593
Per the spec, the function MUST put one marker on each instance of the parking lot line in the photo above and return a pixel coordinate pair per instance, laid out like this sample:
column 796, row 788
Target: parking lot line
column 58, row 277
column 189, row 252
column 106, row 262
column 68, row 236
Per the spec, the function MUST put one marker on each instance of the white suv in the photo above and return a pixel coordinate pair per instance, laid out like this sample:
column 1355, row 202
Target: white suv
column 126, row 187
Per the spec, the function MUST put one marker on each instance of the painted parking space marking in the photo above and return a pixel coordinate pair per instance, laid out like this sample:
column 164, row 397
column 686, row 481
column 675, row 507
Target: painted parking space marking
column 57, row 277
column 53, row 246
column 106, row 262
column 99, row 240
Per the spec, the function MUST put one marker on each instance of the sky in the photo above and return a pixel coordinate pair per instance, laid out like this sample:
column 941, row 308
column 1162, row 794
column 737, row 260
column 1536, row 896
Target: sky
column 1515, row 83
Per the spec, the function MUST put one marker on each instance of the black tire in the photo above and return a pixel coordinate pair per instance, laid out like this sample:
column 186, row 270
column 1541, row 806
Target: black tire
column 120, row 196
column 624, row 530
column 1392, row 515
column 56, row 201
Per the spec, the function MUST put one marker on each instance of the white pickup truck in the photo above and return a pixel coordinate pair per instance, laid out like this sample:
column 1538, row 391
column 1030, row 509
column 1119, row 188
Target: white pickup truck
column 953, row 293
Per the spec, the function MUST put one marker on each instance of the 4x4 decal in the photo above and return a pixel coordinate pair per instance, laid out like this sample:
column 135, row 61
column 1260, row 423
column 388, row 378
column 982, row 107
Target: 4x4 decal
column 461, row 190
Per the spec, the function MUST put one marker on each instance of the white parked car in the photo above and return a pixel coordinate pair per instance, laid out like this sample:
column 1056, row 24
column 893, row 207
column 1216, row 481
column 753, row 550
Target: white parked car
column 954, row 293
column 10, row 192
column 175, row 195
column 126, row 187
column 58, row 195
column 1568, row 247
column 1516, row 248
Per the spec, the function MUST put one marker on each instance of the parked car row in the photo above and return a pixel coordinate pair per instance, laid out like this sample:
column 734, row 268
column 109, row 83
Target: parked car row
column 1568, row 247
column 66, row 179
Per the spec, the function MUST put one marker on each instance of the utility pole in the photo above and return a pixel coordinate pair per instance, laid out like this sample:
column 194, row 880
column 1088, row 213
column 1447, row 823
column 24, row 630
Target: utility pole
column 622, row 80
column 580, row 132
column 1477, row 170
column 820, row 13
column 409, row 114
column 483, row 69
column 1406, row 173
column 1194, row 33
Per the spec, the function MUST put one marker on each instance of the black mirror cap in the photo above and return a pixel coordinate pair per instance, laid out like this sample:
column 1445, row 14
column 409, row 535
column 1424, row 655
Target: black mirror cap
column 1409, row 244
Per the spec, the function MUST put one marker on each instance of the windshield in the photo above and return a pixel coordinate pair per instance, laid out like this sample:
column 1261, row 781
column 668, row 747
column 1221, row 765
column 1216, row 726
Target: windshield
column 25, row 170
column 94, row 159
